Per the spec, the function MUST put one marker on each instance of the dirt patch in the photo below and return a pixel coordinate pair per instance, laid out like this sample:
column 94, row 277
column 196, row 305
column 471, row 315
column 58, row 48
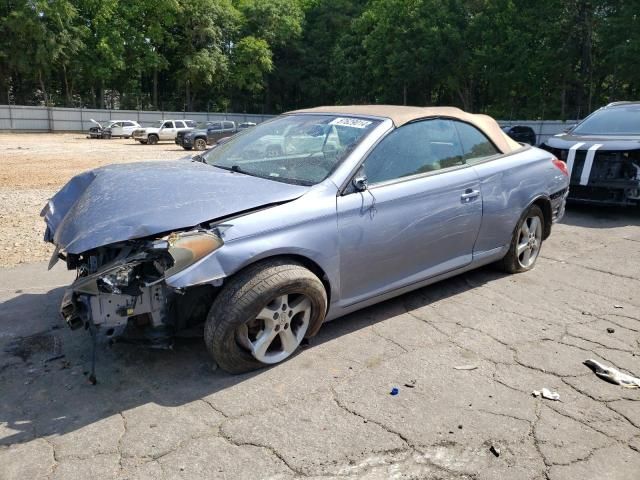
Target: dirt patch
column 33, row 167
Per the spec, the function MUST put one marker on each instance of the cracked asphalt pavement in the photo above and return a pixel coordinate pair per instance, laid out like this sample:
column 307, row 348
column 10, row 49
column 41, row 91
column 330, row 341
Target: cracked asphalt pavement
column 328, row 412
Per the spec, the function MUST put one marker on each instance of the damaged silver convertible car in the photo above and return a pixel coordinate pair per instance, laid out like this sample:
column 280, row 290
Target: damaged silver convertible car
column 300, row 220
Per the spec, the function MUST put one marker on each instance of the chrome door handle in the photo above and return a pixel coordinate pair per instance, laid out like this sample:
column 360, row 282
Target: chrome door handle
column 469, row 195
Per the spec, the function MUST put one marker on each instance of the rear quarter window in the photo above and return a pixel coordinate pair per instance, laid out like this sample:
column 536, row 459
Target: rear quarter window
column 475, row 145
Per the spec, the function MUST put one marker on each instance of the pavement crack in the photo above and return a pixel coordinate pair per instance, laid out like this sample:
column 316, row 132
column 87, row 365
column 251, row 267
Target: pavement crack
column 388, row 339
column 54, row 456
column 335, row 398
column 214, row 408
column 594, row 269
column 119, row 444
column 228, row 438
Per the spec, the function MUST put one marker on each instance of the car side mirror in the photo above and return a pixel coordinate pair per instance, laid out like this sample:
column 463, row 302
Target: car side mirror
column 569, row 128
column 360, row 183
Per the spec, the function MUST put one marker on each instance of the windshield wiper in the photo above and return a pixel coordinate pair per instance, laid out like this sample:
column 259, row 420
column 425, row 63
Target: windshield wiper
column 234, row 168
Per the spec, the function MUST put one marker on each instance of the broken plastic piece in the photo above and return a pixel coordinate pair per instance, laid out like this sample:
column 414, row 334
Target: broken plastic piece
column 394, row 391
column 410, row 384
column 610, row 330
column 546, row 393
column 495, row 450
column 466, row 367
column 612, row 375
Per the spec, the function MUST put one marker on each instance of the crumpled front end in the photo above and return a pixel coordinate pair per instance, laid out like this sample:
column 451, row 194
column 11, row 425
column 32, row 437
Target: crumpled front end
column 601, row 173
column 121, row 290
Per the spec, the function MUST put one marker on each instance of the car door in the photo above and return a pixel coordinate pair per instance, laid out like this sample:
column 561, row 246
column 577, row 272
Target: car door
column 128, row 128
column 116, row 129
column 214, row 132
column 506, row 183
column 168, row 131
column 419, row 216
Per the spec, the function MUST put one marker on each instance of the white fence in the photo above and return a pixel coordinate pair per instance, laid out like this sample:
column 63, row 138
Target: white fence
column 543, row 128
column 42, row 119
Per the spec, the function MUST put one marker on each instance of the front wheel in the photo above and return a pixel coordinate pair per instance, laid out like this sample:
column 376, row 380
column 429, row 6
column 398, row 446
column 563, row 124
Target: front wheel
column 200, row 144
column 526, row 242
column 262, row 314
column 152, row 139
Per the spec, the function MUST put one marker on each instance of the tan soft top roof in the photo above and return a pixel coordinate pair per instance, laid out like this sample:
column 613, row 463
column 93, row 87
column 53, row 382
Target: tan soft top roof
column 400, row 115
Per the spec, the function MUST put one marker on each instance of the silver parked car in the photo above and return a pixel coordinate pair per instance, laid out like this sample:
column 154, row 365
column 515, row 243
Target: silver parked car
column 360, row 204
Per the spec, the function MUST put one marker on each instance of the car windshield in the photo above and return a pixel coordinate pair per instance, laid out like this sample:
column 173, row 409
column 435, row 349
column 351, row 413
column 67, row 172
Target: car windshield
column 614, row 121
column 300, row 149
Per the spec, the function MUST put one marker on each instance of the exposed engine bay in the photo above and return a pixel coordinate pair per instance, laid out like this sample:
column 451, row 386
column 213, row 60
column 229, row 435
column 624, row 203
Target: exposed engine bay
column 602, row 176
column 120, row 288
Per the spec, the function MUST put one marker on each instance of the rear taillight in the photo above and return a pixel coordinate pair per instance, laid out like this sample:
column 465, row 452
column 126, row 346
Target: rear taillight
column 560, row 165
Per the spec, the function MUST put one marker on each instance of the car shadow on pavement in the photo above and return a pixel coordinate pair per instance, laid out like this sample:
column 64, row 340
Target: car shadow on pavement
column 597, row 216
column 44, row 388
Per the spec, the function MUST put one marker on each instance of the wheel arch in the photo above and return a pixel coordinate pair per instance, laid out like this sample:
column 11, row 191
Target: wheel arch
column 544, row 203
column 306, row 262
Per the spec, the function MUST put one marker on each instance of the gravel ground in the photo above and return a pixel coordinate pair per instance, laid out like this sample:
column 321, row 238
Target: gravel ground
column 34, row 166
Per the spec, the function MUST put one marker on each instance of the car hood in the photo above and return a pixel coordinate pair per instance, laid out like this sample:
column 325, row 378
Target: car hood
column 97, row 123
column 565, row 141
column 136, row 200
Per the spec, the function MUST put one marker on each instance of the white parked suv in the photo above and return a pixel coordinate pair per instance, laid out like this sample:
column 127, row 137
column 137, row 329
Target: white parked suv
column 162, row 130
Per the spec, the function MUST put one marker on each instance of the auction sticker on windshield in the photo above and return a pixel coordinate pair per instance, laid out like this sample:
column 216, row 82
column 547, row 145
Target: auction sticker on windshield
column 350, row 122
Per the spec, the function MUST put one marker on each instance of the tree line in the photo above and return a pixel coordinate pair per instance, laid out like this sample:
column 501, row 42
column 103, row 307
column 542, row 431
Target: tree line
column 508, row 58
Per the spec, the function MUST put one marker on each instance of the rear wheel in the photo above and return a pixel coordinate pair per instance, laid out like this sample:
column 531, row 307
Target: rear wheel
column 262, row 314
column 526, row 242
column 152, row 139
column 200, row 144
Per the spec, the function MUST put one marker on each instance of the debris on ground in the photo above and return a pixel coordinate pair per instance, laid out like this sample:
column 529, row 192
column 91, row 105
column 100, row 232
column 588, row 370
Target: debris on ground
column 495, row 450
column 618, row 306
column 465, row 367
column 546, row 393
column 55, row 357
column 394, row 391
column 610, row 330
column 410, row 384
column 612, row 375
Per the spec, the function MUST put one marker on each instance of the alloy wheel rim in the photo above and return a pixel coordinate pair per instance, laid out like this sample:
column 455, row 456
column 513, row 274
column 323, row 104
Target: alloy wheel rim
column 278, row 329
column 529, row 241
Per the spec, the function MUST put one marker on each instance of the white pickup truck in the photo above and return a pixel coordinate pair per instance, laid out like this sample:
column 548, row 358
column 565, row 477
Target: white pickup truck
column 162, row 130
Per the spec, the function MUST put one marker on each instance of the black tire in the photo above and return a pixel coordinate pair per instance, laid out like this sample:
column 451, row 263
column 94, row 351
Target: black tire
column 143, row 142
column 200, row 144
column 107, row 136
column 242, row 298
column 152, row 139
column 510, row 263
column 187, row 148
